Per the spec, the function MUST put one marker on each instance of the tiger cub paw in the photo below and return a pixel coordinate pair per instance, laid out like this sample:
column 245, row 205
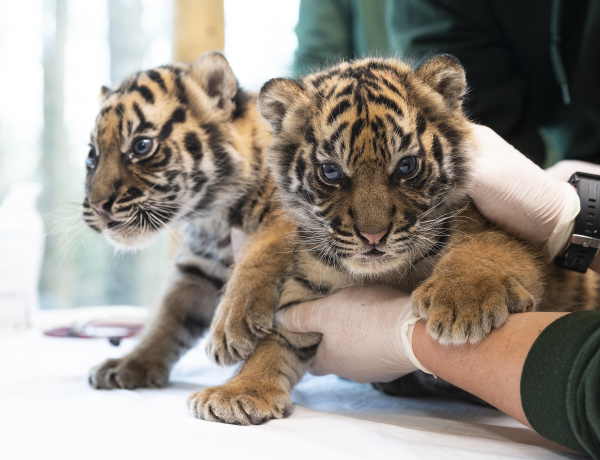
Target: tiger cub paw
column 240, row 403
column 240, row 322
column 461, row 308
column 128, row 373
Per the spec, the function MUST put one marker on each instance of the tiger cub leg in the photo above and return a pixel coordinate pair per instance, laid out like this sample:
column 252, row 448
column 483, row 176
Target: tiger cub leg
column 183, row 316
column 261, row 389
column 246, row 310
column 476, row 284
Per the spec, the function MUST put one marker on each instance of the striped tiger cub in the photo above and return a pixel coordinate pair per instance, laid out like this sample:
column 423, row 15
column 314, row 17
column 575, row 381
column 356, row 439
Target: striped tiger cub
column 372, row 161
column 178, row 145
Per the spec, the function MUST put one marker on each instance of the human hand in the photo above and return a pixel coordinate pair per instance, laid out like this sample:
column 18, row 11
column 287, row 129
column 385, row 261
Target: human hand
column 367, row 333
column 517, row 195
column 564, row 169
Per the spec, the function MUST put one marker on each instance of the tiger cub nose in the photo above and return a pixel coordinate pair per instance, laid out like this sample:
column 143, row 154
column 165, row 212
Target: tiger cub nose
column 102, row 207
column 374, row 238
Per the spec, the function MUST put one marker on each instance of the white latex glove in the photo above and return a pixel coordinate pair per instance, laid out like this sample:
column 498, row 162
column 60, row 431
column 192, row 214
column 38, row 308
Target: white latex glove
column 563, row 170
column 367, row 333
column 519, row 196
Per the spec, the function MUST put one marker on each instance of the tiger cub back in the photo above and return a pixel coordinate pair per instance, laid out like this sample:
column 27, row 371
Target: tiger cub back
column 371, row 159
column 176, row 146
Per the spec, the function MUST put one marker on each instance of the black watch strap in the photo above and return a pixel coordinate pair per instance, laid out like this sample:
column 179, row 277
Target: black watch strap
column 585, row 240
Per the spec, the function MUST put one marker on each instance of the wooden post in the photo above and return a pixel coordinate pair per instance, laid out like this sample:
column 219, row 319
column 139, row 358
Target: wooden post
column 199, row 27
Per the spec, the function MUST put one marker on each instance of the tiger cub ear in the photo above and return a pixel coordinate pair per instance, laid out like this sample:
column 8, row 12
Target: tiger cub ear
column 104, row 92
column 275, row 99
column 445, row 74
column 214, row 75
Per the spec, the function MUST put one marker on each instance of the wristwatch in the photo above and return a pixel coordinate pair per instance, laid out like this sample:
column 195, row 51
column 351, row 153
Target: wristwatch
column 585, row 240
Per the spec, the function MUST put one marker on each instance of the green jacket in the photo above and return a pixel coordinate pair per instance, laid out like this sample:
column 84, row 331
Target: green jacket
column 560, row 384
column 523, row 59
column 334, row 30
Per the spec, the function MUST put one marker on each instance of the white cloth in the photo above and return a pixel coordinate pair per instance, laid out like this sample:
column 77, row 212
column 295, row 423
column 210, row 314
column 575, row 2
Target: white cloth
column 48, row 411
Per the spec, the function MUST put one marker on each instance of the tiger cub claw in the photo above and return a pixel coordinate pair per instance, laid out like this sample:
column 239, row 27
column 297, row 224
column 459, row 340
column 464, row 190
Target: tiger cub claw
column 465, row 308
column 128, row 373
column 238, row 326
column 240, row 404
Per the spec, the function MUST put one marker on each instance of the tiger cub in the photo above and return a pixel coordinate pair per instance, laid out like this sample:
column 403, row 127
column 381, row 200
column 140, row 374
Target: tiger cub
column 178, row 145
column 372, row 161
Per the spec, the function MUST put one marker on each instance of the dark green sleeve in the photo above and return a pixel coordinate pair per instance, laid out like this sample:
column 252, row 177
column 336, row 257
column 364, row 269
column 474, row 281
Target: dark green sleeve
column 560, row 384
column 332, row 30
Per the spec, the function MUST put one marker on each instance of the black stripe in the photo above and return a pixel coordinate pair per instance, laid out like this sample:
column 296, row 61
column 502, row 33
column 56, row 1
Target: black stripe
column 120, row 109
column 167, row 153
column 210, row 195
column 338, row 110
column 265, row 211
column 405, row 142
column 421, row 123
column 178, row 116
column 216, row 143
column 241, row 101
column 357, row 128
column 198, row 272
column 343, row 233
column 300, row 168
column 144, row 91
column 235, row 217
column 224, row 242
column 195, row 326
column 320, row 79
column 132, row 193
column 287, row 153
column 158, row 79
column 451, row 134
column 199, row 179
column 388, row 103
column 154, row 185
column 193, row 145
column 181, row 96
column 338, row 132
column 346, row 91
column 392, row 87
column 410, row 220
column 438, row 152
column 144, row 124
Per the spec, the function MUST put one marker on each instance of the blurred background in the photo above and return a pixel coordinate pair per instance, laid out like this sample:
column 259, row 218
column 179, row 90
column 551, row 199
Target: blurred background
column 55, row 55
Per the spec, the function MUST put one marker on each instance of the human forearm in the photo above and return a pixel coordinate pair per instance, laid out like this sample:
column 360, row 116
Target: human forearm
column 490, row 369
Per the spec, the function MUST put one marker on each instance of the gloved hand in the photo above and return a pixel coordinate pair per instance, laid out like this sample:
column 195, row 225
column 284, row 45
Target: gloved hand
column 367, row 333
column 517, row 195
column 563, row 170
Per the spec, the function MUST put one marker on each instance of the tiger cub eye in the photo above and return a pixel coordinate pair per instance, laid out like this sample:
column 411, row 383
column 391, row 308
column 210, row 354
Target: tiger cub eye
column 407, row 167
column 331, row 172
column 92, row 158
column 142, row 146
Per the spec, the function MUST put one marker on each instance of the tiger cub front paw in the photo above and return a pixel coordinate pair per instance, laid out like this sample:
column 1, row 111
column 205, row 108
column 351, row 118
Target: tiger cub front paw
column 464, row 307
column 129, row 373
column 241, row 320
column 240, row 403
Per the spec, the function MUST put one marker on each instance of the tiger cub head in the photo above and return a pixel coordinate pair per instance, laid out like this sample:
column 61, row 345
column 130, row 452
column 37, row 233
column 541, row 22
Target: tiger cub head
column 370, row 158
column 160, row 151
